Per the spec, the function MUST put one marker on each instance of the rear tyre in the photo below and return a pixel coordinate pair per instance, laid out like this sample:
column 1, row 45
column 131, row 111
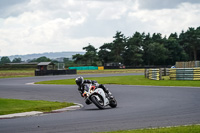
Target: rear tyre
column 113, row 103
column 98, row 103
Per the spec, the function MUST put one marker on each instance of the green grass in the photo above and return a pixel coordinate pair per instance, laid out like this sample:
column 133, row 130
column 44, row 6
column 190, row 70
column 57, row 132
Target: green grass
column 107, row 71
column 30, row 72
column 128, row 80
column 9, row 106
column 179, row 129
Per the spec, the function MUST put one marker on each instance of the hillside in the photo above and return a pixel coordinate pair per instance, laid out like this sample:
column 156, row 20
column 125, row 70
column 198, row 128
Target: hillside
column 51, row 55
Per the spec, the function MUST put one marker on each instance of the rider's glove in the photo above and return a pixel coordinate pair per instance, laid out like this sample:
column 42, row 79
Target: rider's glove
column 81, row 93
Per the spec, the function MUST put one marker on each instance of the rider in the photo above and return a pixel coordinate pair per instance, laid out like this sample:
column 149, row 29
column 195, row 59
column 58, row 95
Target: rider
column 80, row 82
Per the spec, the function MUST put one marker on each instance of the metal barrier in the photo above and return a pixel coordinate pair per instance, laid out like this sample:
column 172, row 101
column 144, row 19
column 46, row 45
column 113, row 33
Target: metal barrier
column 184, row 74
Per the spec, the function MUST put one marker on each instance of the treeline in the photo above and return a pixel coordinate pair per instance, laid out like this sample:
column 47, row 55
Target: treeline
column 140, row 49
column 143, row 49
column 5, row 59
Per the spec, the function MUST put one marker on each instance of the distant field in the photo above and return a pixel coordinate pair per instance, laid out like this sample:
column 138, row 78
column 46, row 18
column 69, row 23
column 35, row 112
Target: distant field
column 16, row 73
column 30, row 72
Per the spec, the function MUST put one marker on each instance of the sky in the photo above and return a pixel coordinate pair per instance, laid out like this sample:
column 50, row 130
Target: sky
column 37, row 26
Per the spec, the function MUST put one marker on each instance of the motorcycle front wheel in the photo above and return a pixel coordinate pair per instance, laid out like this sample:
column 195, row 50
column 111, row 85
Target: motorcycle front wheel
column 98, row 103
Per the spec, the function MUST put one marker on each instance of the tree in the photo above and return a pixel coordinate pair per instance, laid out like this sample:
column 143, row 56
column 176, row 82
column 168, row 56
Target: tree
column 144, row 49
column 90, row 48
column 105, row 53
column 174, row 36
column 16, row 60
column 157, row 38
column 145, row 45
column 68, row 62
column 90, row 55
column 133, row 50
column 157, row 54
column 41, row 59
column 185, row 45
column 78, row 58
column 175, row 51
column 4, row 60
column 190, row 41
column 118, row 47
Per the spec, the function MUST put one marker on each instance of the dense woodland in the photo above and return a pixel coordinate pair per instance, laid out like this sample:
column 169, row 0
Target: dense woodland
column 143, row 49
column 140, row 49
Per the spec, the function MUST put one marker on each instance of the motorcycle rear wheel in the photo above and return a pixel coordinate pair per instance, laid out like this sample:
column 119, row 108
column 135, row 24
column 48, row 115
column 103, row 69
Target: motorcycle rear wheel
column 113, row 103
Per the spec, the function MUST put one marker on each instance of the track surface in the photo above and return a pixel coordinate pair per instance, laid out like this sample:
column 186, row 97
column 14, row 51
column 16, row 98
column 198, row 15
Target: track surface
column 138, row 107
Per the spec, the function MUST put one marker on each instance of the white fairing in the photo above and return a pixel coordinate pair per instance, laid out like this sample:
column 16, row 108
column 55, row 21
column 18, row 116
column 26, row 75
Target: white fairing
column 102, row 93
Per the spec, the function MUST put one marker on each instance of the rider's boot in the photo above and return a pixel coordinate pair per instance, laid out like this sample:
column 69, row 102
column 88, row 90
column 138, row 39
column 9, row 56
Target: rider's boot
column 108, row 93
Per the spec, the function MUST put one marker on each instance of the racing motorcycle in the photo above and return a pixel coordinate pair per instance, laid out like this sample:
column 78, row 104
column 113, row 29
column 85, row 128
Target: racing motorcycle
column 98, row 97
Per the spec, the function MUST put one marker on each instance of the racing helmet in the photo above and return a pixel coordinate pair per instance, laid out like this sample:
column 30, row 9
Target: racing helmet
column 79, row 81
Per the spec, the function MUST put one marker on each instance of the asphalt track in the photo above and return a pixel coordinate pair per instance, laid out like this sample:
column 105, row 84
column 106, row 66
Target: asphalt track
column 138, row 107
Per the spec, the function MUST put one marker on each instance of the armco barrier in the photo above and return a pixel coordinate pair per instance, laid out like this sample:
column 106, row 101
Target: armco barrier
column 85, row 68
column 184, row 74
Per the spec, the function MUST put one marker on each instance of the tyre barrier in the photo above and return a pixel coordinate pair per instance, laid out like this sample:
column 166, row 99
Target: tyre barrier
column 184, row 74
column 188, row 64
column 153, row 74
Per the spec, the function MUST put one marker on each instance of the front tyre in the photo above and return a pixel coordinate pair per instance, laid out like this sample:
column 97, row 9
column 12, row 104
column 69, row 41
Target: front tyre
column 98, row 103
column 113, row 103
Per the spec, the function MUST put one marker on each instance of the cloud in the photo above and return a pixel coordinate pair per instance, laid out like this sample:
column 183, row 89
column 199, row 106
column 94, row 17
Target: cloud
column 163, row 4
column 37, row 26
column 112, row 11
column 167, row 21
column 11, row 7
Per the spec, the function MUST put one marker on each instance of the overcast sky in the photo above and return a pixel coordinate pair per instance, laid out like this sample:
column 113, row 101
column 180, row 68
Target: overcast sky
column 37, row 26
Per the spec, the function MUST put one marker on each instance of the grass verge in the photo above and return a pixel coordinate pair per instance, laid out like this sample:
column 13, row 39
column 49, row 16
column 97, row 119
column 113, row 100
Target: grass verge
column 128, row 80
column 110, row 71
column 10, row 106
column 30, row 72
column 179, row 129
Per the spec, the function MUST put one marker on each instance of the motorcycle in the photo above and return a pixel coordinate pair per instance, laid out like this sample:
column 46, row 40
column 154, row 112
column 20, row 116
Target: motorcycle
column 98, row 97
